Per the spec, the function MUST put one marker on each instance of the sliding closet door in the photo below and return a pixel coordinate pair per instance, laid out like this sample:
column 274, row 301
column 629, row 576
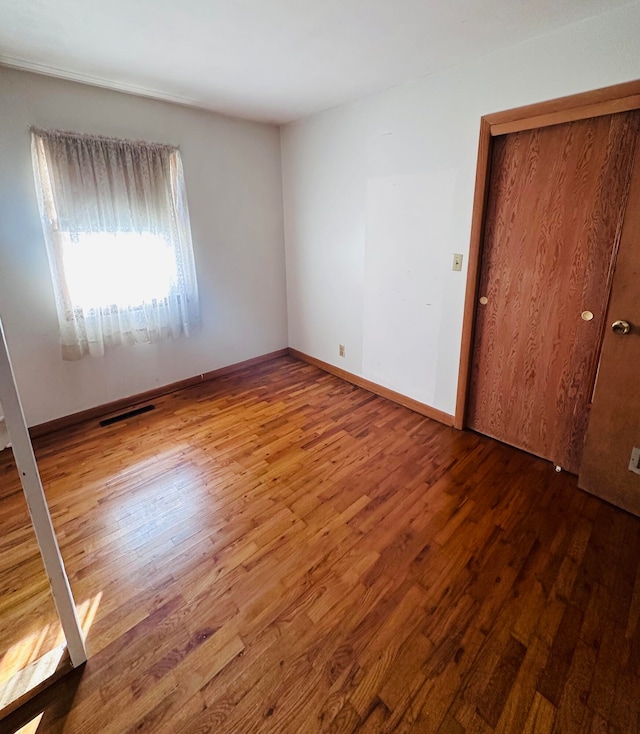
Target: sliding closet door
column 556, row 204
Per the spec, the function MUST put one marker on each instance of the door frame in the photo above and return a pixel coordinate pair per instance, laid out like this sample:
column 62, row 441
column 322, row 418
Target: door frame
column 607, row 101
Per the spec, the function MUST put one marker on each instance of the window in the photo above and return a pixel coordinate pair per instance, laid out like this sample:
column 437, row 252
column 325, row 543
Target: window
column 116, row 223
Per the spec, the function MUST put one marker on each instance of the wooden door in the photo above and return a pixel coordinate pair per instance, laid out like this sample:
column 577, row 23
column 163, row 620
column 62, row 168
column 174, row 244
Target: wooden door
column 556, row 204
column 614, row 426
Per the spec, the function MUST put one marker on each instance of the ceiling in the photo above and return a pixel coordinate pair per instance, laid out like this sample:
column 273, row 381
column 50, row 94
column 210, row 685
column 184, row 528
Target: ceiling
column 269, row 60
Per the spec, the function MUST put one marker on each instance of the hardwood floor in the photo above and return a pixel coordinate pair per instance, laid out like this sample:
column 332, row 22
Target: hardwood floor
column 280, row 551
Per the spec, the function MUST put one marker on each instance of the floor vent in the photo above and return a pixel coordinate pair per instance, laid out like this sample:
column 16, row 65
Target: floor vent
column 128, row 414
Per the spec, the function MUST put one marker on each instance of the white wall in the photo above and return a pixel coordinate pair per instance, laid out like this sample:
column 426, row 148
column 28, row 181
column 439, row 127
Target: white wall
column 4, row 434
column 378, row 197
column 233, row 179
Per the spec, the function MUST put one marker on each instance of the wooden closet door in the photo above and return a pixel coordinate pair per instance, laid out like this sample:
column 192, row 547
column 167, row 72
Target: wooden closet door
column 555, row 208
column 608, row 469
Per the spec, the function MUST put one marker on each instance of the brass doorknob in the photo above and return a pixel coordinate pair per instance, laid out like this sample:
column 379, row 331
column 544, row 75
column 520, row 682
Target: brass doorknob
column 621, row 327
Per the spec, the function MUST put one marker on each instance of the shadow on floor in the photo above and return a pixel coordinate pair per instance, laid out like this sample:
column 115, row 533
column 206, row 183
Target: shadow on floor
column 51, row 706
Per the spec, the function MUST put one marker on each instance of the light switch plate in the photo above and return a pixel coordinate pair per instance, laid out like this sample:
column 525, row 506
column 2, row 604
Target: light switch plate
column 457, row 262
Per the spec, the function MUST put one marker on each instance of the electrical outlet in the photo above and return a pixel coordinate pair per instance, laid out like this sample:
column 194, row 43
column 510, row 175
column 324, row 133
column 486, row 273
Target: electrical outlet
column 634, row 463
column 457, row 262
column 341, row 350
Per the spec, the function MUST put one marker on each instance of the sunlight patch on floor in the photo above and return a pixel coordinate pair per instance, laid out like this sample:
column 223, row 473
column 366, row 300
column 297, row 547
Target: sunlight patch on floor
column 32, row 726
column 25, row 665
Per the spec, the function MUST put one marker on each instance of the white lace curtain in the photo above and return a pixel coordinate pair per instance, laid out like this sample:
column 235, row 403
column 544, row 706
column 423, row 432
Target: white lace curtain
column 116, row 224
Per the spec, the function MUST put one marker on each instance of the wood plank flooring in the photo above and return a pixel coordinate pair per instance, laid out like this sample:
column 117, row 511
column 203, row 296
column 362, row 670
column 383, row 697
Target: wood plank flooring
column 280, row 551
column 29, row 625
